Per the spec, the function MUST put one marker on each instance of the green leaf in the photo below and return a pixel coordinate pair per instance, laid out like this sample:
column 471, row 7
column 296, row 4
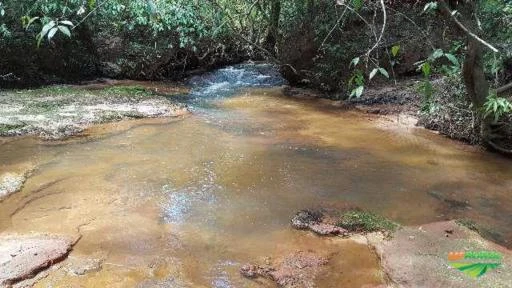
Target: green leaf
column 384, row 72
column 65, row 30
column 354, row 62
column 52, row 33
column 426, row 69
column 30, row 21
column 357, row 92
column 91, row 3
column 66, row 22
column 358, row 4
column 47, row 28
column 452, row 59
column 151, row 6
column 373, row 73
column 394, row 50
column 39, row 39
column 430, row 6
column 438, row 53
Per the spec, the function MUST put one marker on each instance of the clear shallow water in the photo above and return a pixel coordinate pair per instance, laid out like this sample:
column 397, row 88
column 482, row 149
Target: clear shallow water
column 185, row 202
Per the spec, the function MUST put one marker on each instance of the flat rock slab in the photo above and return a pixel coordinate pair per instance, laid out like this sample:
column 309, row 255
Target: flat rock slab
column 23, row 256
column 10, row 183
column 417, row 256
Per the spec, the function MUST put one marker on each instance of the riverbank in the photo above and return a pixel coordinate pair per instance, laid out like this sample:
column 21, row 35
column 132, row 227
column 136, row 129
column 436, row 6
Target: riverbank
column 61, row 111
column 402, row 106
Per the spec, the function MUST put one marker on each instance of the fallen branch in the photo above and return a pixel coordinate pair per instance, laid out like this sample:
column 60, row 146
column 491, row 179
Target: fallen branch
column 504, row 88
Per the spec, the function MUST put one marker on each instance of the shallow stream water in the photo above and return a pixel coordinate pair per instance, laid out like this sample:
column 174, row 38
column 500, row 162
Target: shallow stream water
column 185, row 202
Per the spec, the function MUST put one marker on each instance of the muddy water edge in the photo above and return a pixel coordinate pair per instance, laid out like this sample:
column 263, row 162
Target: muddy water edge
column 186, row 202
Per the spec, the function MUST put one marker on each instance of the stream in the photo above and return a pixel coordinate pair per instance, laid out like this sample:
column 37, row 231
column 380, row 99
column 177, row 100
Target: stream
column 186, row 202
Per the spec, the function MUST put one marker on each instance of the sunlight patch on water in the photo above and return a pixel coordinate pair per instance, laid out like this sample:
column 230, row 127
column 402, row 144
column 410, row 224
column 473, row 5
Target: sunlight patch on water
column 181, row 201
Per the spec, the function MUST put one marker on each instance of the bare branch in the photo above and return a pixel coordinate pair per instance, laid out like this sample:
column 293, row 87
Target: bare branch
column 333, row 27
column 466, row 30
column 385, row 16
column 504, row 88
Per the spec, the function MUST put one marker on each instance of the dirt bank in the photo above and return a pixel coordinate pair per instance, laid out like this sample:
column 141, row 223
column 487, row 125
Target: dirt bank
column 57, row 112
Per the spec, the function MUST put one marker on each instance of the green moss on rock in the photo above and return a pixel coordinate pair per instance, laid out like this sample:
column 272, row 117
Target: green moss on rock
column 364, row 221
column 5, row 128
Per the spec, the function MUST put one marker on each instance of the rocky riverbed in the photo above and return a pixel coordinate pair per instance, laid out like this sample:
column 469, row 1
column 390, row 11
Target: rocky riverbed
column 410, row 256
column 58, row 112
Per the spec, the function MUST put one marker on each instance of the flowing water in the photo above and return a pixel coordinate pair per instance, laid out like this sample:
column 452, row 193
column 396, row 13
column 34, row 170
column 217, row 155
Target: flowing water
column 185, row 202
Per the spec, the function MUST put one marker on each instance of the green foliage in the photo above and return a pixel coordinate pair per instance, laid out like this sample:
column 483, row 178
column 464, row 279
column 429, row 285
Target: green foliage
column 363, row 221
column 428, row 67
column 358, row 4
column 50, row 28
column 379, row 70
column 5, row 128
column 356, row 82
column 496, row 107
column 395, row 50
column 496, row 16
column 4, row 31
column 430, row 7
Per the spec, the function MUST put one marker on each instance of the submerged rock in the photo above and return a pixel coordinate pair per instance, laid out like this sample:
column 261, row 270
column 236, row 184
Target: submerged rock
column 23, row 256
column 10, row 183
column 80, row 267
column 316, row 222
column 450, row 201
column 297, row 270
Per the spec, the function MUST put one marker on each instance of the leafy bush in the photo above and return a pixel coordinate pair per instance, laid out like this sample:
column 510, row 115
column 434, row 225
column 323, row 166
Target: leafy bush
column 497, row 107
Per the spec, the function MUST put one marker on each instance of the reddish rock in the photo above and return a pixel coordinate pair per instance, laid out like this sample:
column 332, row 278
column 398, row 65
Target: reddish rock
column 22, row 256
column 297, row 270
column 417, row 256
column 317, row 222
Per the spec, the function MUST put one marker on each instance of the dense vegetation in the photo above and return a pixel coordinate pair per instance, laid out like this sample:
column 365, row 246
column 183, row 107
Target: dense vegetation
column 337, row 46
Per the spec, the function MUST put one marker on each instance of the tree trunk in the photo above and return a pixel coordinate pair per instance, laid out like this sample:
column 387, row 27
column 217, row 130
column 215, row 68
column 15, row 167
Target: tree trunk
column 476, row 84
column 273, row 27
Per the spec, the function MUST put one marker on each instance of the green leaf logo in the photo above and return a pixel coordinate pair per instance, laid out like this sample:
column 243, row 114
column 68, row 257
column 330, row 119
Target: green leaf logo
column 474, row 270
